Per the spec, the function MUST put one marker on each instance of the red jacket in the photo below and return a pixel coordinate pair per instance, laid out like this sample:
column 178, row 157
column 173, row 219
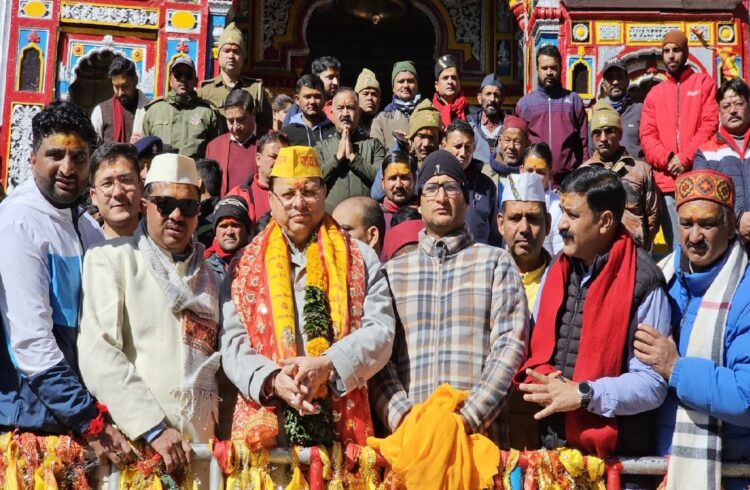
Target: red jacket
column 678, row 116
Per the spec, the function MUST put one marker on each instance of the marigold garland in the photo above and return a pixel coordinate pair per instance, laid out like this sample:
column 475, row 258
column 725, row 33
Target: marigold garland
column 312, row 430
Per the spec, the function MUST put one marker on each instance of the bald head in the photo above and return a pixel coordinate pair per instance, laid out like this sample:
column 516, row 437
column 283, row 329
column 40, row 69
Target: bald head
column 362, row 218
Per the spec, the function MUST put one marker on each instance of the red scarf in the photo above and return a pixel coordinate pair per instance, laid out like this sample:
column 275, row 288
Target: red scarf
column 118, row 120
column 389, row 206
column 449, row 112
column 606, row 320
column 226, row 257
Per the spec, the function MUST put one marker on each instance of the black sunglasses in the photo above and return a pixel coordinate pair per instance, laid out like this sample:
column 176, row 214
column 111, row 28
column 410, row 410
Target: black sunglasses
column 166, row 205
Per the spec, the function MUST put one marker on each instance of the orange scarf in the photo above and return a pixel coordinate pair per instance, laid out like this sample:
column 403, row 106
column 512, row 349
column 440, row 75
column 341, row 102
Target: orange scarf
column 262, row 292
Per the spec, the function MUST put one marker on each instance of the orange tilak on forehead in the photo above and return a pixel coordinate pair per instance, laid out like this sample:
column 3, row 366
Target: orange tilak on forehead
column 400, row 169
column 700, row 210
column 119, row 79
column 534, row 162
column 67, row 140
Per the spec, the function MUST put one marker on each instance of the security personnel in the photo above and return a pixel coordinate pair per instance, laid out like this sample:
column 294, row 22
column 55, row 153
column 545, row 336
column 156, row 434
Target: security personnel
column 182, row 119
column 231, row 59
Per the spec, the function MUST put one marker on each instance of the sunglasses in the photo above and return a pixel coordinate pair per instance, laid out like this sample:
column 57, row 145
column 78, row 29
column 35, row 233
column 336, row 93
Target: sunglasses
column 166, row 205
column 608, row 131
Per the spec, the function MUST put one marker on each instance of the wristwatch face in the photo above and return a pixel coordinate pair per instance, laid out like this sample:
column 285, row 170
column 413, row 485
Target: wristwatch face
column 585, row 390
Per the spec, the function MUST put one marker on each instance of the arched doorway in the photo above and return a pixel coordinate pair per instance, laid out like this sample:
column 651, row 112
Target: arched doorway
column 359, row 43
column 92, row 85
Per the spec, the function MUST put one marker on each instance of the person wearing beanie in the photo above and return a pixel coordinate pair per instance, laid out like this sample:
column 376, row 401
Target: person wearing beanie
column 232, row 231
column 423, row 136
column 231, row 60
column 449, row 99
column 679, row 115
column 555, row 116
column 615, row 83
column 368, row 92
column 406, row 96
column 146, row 299
column 461, row 308
column 488, row 121
column 641, row 215
column 181, row 118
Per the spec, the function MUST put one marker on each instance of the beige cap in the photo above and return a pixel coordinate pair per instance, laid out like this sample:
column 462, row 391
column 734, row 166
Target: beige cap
column 173, row 169
column 366, row 79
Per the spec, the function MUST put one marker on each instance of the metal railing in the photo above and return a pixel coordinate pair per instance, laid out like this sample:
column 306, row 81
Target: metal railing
column 650, row 465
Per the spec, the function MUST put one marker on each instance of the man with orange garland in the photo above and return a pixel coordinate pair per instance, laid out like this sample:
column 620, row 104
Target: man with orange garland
column 280, row 345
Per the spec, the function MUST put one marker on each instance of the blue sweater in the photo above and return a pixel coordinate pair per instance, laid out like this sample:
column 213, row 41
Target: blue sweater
column 721, row 391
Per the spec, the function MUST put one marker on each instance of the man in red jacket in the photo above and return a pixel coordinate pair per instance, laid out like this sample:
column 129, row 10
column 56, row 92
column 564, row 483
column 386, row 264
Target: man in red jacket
column 679, row 115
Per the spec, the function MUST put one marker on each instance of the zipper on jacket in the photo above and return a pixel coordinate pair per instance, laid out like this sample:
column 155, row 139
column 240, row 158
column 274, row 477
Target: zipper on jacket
column 579, row 293
column 549, row 120
column 435, row 332
column 678, row 116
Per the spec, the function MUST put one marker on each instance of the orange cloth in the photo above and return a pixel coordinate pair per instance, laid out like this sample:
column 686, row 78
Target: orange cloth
column 431, row 450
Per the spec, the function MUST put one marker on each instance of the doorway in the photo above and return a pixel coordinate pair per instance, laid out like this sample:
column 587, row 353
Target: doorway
column 92, row 84
column 360, row 43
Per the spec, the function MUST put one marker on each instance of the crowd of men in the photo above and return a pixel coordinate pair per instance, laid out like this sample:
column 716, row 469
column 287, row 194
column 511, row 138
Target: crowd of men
column 325, row 257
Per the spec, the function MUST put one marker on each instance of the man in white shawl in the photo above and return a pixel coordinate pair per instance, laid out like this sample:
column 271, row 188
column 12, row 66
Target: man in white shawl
column 706, row 416
column 149, row 325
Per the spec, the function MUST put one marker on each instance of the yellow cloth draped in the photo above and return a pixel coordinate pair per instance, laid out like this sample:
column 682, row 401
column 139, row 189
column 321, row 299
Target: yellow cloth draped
column 431, row 450
column 531, row 282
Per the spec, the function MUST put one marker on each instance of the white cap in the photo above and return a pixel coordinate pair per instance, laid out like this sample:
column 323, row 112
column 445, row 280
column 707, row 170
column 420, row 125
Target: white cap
column 523, row 187
column 173, row 168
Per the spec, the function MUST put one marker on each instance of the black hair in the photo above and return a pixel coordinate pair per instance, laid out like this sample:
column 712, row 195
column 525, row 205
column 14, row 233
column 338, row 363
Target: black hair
column 309, row 81
column 121, row 66
column 240, row 98
column 551, row 51
column 210, row 173
column 319, row 65
column 270, row 137
column 61, row 117
column 542, row 150
column 262, row 222
column 602, row 188
column 462, row 127
column 399, row 156
column 405, row 213
column 281, row 102
column 736, row 85
column 108, row 152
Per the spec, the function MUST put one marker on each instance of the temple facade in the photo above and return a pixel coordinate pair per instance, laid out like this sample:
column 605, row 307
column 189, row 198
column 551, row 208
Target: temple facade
column 60, row 49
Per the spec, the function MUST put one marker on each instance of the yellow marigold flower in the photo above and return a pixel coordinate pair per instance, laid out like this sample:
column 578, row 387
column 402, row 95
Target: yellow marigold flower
column 317, row 346
column 314, row 266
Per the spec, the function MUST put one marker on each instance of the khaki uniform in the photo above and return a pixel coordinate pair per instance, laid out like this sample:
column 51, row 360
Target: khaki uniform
column 186, row 123
column 215, row 92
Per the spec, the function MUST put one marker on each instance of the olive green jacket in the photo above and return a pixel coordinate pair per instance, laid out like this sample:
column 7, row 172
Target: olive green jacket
column 345, row 178
column 186, row 123
column 215, row 92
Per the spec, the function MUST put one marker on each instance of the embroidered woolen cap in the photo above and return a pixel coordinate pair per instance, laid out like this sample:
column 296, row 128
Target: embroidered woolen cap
column 524, row 187
column 425, row 115
column 604, row 116
column 366, row 79
column 232, row 207
column 440, row 162
column 232, row 35
column 297, row 162
column 174, row 169
column 708, row 185
column 405, row 65
column 444, row 62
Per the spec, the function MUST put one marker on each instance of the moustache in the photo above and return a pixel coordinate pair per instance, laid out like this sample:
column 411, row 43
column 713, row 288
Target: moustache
column 701, row 245
column 566, row 235
column 345, row 119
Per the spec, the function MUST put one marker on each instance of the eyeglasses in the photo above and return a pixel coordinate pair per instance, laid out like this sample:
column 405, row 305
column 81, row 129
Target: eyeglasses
column 607, row 131
column 308, row 195
column 128, row 183
column 451, row 189
column 166, row 205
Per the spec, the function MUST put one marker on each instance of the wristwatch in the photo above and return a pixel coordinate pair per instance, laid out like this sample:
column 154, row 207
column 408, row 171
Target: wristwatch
column 585, row 393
